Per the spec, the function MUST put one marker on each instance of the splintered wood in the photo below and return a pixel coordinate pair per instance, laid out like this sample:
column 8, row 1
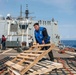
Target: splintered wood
column 28, row 61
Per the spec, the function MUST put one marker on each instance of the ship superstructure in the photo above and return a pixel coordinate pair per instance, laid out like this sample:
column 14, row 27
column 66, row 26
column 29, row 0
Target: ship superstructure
column 21, row 29
column 52, row 28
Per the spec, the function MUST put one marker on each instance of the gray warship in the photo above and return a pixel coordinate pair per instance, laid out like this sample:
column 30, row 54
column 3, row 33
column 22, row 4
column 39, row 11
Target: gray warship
column 20, row 36
column 21, row 29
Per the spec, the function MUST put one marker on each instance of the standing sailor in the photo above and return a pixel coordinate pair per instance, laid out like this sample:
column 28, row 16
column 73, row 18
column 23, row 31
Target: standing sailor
column 3, row 42
column 42, row 37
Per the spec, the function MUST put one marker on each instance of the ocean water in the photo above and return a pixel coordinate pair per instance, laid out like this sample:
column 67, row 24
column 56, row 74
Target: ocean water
column 71, row 43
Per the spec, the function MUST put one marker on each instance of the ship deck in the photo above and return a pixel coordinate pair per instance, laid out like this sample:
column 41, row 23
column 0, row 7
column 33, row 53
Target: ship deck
column 68, row 61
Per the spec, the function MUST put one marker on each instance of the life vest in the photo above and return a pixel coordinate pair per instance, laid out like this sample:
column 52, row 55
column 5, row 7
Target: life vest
column 39, row 36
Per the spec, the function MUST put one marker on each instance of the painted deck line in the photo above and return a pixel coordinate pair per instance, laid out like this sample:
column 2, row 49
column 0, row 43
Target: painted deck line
column 5, row 51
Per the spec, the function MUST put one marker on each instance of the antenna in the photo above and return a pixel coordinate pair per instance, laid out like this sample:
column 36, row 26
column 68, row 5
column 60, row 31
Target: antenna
column 27, row 6
column 21, row 11
column 52, row 19
column 26, row 11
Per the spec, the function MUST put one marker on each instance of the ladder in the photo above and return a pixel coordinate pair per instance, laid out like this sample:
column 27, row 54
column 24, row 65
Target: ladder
column 24, row 61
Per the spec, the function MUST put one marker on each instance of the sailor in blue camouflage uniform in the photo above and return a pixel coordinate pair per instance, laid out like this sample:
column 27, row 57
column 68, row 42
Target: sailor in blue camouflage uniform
column 42, row 37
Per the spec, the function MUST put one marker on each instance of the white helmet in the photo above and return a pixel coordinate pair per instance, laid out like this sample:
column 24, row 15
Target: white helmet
column 8, row 15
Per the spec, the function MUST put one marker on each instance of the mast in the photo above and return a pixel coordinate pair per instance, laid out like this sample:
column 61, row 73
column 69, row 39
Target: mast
column 26, row 12
column 21, row 11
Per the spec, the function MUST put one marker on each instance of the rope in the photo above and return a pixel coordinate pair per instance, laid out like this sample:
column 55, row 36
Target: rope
column 62, row 61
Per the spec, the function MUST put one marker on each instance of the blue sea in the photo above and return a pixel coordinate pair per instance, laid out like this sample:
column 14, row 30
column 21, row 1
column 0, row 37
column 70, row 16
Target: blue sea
column 71, row 43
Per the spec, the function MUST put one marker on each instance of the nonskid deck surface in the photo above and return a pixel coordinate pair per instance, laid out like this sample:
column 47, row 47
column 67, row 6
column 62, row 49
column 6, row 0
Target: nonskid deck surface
column 8, row 53
column 69, row 67
column 67, row 57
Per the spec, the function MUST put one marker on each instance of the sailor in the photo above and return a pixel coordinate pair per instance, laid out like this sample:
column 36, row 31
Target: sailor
column 3, row 42
column 42, row 37
column 8, row 17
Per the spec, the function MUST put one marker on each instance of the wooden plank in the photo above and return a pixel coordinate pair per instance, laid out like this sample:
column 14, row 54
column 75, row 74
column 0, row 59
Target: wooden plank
column 25, row 57
column 14, row 59
column 42, row 45
column 36, row 67
column 18, row 59
column 29, row 54
column 14, row 72
column 70, row 53
column 37, row 59
column 34, row 51
column 27, row 61
column 15, row 66
column 31, row 70
column 43, row 65
column 21, row 62
column 47, row 63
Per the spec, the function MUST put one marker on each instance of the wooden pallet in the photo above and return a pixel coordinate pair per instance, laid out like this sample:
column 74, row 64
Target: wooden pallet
column 42, row 67
column 23, row 62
